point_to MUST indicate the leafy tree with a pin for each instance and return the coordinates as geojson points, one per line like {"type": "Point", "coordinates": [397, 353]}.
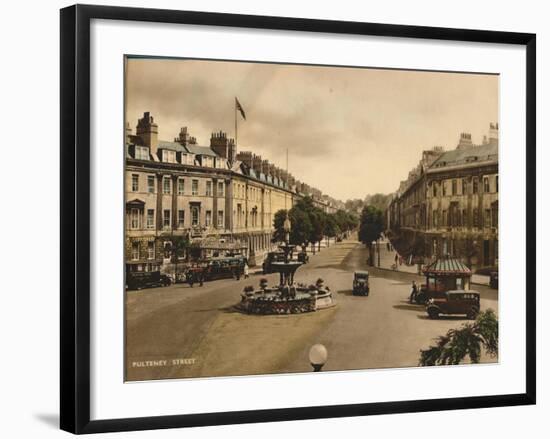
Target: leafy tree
{"type": "Point", "coordinates": [331, 226]}
{"type": "Point", "coordinates": [194, 250]}
{"type": "Point", "coordinates": [317, 218]}
{"type": "Point", "coordinates": [178, 246]}
{"type": "Point", "coordinates": [301, 230]}
{"type": "Point", "coordinates": [457, 344]}
{"type": "Point", "coordinates": [355, 205]}
{"type": "Point", "coordinates": [372, 226]}
{"type": "Point", "coordinates": [346, 221]}
{"type": "Point", "coordinates": [380, 201]}
{"type": "Point", "coordinates": [278, 225]}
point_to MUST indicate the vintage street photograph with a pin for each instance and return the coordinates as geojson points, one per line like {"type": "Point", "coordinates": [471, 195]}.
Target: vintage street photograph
{"type": "Point", "coordinates": [287, 218]}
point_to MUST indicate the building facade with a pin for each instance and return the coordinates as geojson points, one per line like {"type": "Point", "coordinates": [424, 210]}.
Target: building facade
{"type": "Point", "coordinates": [221, 200]}
{"type": "Point", "coordinates": [449, 204]}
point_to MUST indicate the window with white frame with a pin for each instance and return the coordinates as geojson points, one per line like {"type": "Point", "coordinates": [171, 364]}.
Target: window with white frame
{"type": "Point", "coordinates": [150, 218]}
{"type": "Point", "coordinates": [166, 218]}
{"type": "Point", "coordinates": [208, 188]}
{"type": "Point", "coordinates": [134, 219]}
{"type": "Point", "coordinates": [151, 250]}
{"type": "Point", "coordinates": [181, 186]}
{"type": "Point", "coordinates": [135, 182]}
{"type": "Point", "coordinates": [181, 219]}
{"type": "Point", "coordinates": [142, 153]}
{"type": "Point", "coordinates": [220, 189]}
{"type": "Point", "coordinates": [208, 218]}
{"type": "Point", "coordinates": [184, 159]}
{"type": "Point", "coordinates": [486, 187]}
{"type": "Point", "coordinates": [151, 184]}
{"type": "Point", "coordinates": [166, 185]}
{"type": "Point", "coordinates": [195, 187]}
{"type": "Point", "coordinates": [135, 250]}
{"type": "Point", "coordinates": [168, 156]}
{"type": "Point", "coordinates": [220, 218]}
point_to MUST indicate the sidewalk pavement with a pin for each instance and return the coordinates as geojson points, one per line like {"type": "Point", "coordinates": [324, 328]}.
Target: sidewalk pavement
{"type": "Point", "coordinates": [387, 259]}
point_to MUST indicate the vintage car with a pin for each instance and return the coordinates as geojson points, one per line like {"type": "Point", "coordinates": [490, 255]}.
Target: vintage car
{"type": "Point", "coordinates": [454, 302]}
{"type": "Point", "coordinates": [361, 283]}
{"type": "Point", "coordinates": [136, 280]}
{"type": "Point", "coordinates": [271, 257]}
{"type": "Point", "coordinates": [493, 279]}
{"type": "Point", "coordinates": [224, 268]}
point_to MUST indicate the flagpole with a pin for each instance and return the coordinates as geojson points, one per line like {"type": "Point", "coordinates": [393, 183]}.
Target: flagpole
{"type": "Point", "coordinates": [235, 104]}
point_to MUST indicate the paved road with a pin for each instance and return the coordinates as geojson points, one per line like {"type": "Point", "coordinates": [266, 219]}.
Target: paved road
{"type": "Point", "coordinates": [197, 329]}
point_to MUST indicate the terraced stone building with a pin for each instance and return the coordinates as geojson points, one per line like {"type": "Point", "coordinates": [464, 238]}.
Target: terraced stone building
{"type": "Point", "coordinates": [449, 204]}
{"type": "Point", "coordinates": [221, 200]}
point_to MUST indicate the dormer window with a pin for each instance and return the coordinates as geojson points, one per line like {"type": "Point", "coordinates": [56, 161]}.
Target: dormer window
{"type": "Point", "coordinates": [168, 156]}
{"type": "Point", "coordinates": [142, 153]}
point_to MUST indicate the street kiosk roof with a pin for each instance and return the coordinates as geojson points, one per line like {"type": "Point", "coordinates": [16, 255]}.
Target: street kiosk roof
{"type": "Point", "coordinates": [447, 266]}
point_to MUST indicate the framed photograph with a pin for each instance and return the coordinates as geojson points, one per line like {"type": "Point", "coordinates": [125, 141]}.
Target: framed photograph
{"type": "Point", "coordinates": [267, 219]}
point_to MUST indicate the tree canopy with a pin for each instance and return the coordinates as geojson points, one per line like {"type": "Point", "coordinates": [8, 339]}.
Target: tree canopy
{"type": "Point", "coordinates": [372, 225]}
{"type": "Point", "coordinates": [310, 223]}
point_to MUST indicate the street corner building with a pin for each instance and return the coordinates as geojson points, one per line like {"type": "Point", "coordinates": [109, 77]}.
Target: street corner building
{"type": "Point", "coordinates": [448, 205]}
{"type": "Point", "coordinates": [221, 200]}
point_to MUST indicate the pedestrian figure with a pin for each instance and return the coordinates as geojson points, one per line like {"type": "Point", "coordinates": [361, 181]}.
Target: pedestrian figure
{"type": "Point", "coordinates": [191, 278]}
{"type": "Point", "coordinates": [414, 293]}
{"type": "Point", "coordinates": [201, 278]}
{"type": "Point", "coordinates": [245, 270]}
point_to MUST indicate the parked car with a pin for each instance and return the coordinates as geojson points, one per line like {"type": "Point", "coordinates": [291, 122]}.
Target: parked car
{"type": "Point", "coordinates": [269, 259]}
{"type": "Point", "coordinates": [223, 268]}
{"type": "Point", "coordinates": [361, 283]}
{"type": "Point", "coordinates": [454, 302]}
{"type": "Point", "coordinates": [493, 279]}
{"type": "Point", "coordinates": [136, 280]}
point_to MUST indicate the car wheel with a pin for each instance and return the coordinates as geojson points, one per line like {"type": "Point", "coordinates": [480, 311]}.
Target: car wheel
{"type": "Point", "coordinates": [433, 313]}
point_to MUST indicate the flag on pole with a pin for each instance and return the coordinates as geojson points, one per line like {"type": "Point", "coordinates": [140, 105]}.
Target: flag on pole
{"type": "Point", "coordinates": [240, 108]}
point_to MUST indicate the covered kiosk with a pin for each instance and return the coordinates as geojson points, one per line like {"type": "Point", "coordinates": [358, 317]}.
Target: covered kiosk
{"type": "Point", "coordinates": [442, 275]}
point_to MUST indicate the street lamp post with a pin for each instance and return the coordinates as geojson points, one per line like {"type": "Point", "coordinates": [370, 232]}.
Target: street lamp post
{"type": "Point", "coordinates": [318, 356]}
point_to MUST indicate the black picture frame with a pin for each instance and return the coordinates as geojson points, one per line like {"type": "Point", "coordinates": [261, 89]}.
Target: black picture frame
{"type": "Point", "coordinates": [75, 217]}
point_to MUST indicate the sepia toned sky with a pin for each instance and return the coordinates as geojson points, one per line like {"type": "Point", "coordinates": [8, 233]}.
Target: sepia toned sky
{"type": "Point", "coordinates": [349, 131]}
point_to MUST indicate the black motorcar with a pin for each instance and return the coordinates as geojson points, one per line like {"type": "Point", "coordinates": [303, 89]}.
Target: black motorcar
{"type": "Point", "coordinates": [269, 259]}
{"type": "Point", "coordinates": [454, 302]}
{"type": "Point", "coordinates": [136, 280]}
{"type": "Point", "coordinates": [361, 283]}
